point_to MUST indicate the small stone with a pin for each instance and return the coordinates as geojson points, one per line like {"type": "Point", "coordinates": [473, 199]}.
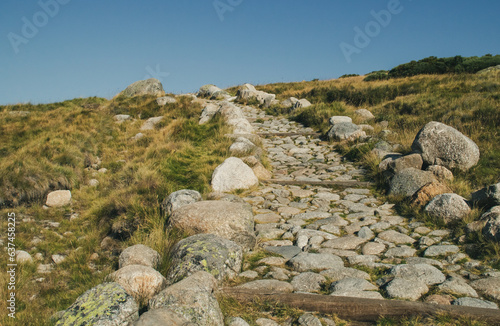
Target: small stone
{"type": "Point", "coordinates": [400, 288]}
{"type": "Point", "coordinates": [308, 282]}
{"type": "Point", "coordinates": [440, 250]}
{"type": "Point", "coordinates": [473, 302]}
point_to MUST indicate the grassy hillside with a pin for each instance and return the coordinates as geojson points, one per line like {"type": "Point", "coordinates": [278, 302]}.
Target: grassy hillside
{"type": "Point", "coordinates": [54, 147]}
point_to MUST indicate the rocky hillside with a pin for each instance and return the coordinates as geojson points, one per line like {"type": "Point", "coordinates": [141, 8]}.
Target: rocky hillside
{"type": "Point", "coordinates": [193, 207]}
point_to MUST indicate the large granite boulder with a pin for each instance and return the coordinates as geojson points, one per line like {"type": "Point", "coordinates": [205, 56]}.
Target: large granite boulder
{"type": "Point", "coordinates": [232, 221]}
{"type": "Point", "coordinates": [208, 112]}
{"type": "Point", "coordinates": [150, 86]}
{"type": "Point", "coordinates": [107, 304]}
{"type": "Point", "coordinates": [233, 174]}
{"type": "Point", "coordinates": [491, 229]}
{"type": "Point", "coordinates": [192, 298]}
{"type": "Point", "coordinates": [248, 92]}
{"type": "Point", "coordinates": [178, 199]}
{"type": "Point", "coordinates": [205, 252]}
{"type": "Point", "coordinates": [443, 145]}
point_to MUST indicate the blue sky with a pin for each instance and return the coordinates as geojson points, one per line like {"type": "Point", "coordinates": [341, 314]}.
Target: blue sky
{"type": "Point", "coordinates": [82, 48]}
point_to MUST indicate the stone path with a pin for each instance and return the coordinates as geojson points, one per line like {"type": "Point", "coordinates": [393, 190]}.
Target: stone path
{"type": "Point", "coordinates": [345, 242]}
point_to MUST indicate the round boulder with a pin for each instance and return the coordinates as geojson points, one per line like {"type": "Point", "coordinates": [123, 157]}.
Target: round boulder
{"type": "Point", "coordinates": [141, 282]}
{"type": "Point", "coordinates": [150, 86]}
{"type": "Point", "coordinates": [491, 229]}
{"type": "Point", "coordinates": [139, 255]}
{"type": "Point", "coordinates": [443, 145]}
{"type": "Point", "coordinates": [178, 199]}
{"type": "Point", "coordinates": [449, 207]}
{"type": "Point", "coordinates": [345, 131]}
{"type": "Point", "coordinates": [232, 221]}
{"type": "Point", "coordinates": [233, 174]}
{"type": "Point", "coordinates": [205, 252]}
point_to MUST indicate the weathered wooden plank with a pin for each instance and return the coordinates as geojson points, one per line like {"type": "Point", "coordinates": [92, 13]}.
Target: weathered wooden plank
{"type": "Point", "coordinates": [362, 310]}
{"type": "Point", "coordinates": [345, 184]}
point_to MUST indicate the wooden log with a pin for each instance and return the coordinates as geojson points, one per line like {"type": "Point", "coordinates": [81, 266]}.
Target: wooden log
{"type": "Point", "coordinates": [362, 310]}
{"type": "Point", "coordinates": [345, 184]}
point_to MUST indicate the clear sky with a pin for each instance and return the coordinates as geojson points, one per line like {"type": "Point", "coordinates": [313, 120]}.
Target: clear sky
{"type": "Point", "coordinates": [53, 50]}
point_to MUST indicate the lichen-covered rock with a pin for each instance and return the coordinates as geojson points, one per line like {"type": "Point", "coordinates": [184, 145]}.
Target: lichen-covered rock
{"type": "Point", "coordinates": [150, 86]}
{"type": "Point", "coordinates": [441, 173]}
{"type": "Point", "coordinates": [193, 298]}
{"type": "Point", "coordinates": [58, 198]}
{"type": "Point", "coordinates": [491, 229]}
{"type": "Point", "coordinates": [400, 288]}
{"type": "Point", "coordinates": [141, 282]}
{"type": "Point", "coordinates": [241, 147]}
{"type": "Point", "coordinates": [233, 221]}
{"type": "Point", "coordinates": [139, 254]}
{"type": "Point", "coordinates": [233, 174]}
{"type": "Point", "coordinates": [404, 162]}
{"type": "Point", "coordinates": [409, 181]}
{"type": "Point", "coordinates": [443, 145]}
{"type": "Point", "coordinates": [449, 207]}
{"type": "Point", "coordinates": [345, 131]}
{"type": "Point", "coordinates": [107, 304]}
{"type": "Point", "coordinates": [418, 272]}
{"type": "Point", "coordinates": [487, 197]}
{"type": "Point", "coordinates": [205, 252]}
{"type": "Point", "coordinates": [178, 199]}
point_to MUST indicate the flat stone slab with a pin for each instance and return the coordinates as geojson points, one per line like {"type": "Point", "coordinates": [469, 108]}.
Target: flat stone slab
{"type": "Point", "coordinates": [427, 274]}
{"type": "Point", "coordinates": [473, 302]}
{"type": "Point", "coordinates": [395, 237]}
{"type": "Point", "coordinates": [268, 285]}
{"type": "Point", "coordinates": [400, 288]}
{"type": "Point", "coordinates": [440, 250]}
{"type": "Point", "coordinates": [344, 243]}
{"type": "Point", "coordinates": [304, 262]}
{"type": "Point", "coordinates": [308, 282]}
{"type": "Point", "coordinates": [286, 252]}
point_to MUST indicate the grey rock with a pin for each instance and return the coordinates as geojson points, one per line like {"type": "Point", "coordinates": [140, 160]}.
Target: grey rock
{"type": "Point", "coordinates": [405, 162]}
{"type": "Point", "coordinates": [139, 255]}
{"type": "Point", "coordinates": [266, 322]}
{"type": "Point", "coordinates": [151, 123]}
{"type": "Point", "coordinates": [364, 114]}
{"type": "Point", "coordinates": [150, 86]}
{"type": "Point", "coordinates": [232, 221]}
{"type": "Point", "coordinates": [489, 286]}
{"type": "Point", "coordinates": [449, 207]}
{"type": "Point", "coordinates": [205, 252]}
{"type": "Point", "coordinates": [418, 272]}
{"type": "Point", "coordinates": [473, 302]}
{"type": "Point", "coordinates": [107, 304]}
{"type": "Point", "coordinates": [119, 118]}
{"type": "Point", "coordinates": [351, 284]}
{"type": "Point", "coordinates": [193, 298]}
{"type": "Point", "coordinates": [208, 112]}
{"type": "Point", "coordinates": [212, 92]}
{"type": "Point", "coordinates": [308, 282]}
{"type": "Point", "coordinates": [488, 196]}
{"type": "Point", "coordinates": [236, 321]}
{"type": "Point", "coordinates": [338, 119]}
{"type": "Point", "coordinates": [400, 288]}
{"type": "Point", "coordinates": [23, 257]}
{"type": "Point", "coordinates": [458, 286]}
{"type": "Point", "coordinates": [161, 101]}
{"type": "Point", "coordinates": [400, 252]}
{"type": "Point", "coordinates": [395, 237]}
{"type": "Point", "coordinates": [409, 181]}
{"type": "Point", "coordinates": [440, 250]}
{"type": "Point", "coordinates": [337, 274]}
{"type": "Point", "coordinates": [491, 229]}
{"type": "Point", "coordinates": [289, 102]}
{"type": "Point", "coordinates": [441, 173]}
{"type": "Point", "coordinates": [302, 103]}
{"type": "Point", "coordinates": [304, 262]}
{"type": "Point", "coordinates": [286, 252]}
{"type": "Point", "coordinates": [443, 145]}
{"type": "Point", "coordinates": [308, 319]}
{"type": "Point", "coordinates": [344, 243]}
{"type": "Point", "coordinates": [178, 199]}
{"type": "Point", "coordinates": [345, 131]}
{"type": "Point", "coordinates": [162, 317]}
